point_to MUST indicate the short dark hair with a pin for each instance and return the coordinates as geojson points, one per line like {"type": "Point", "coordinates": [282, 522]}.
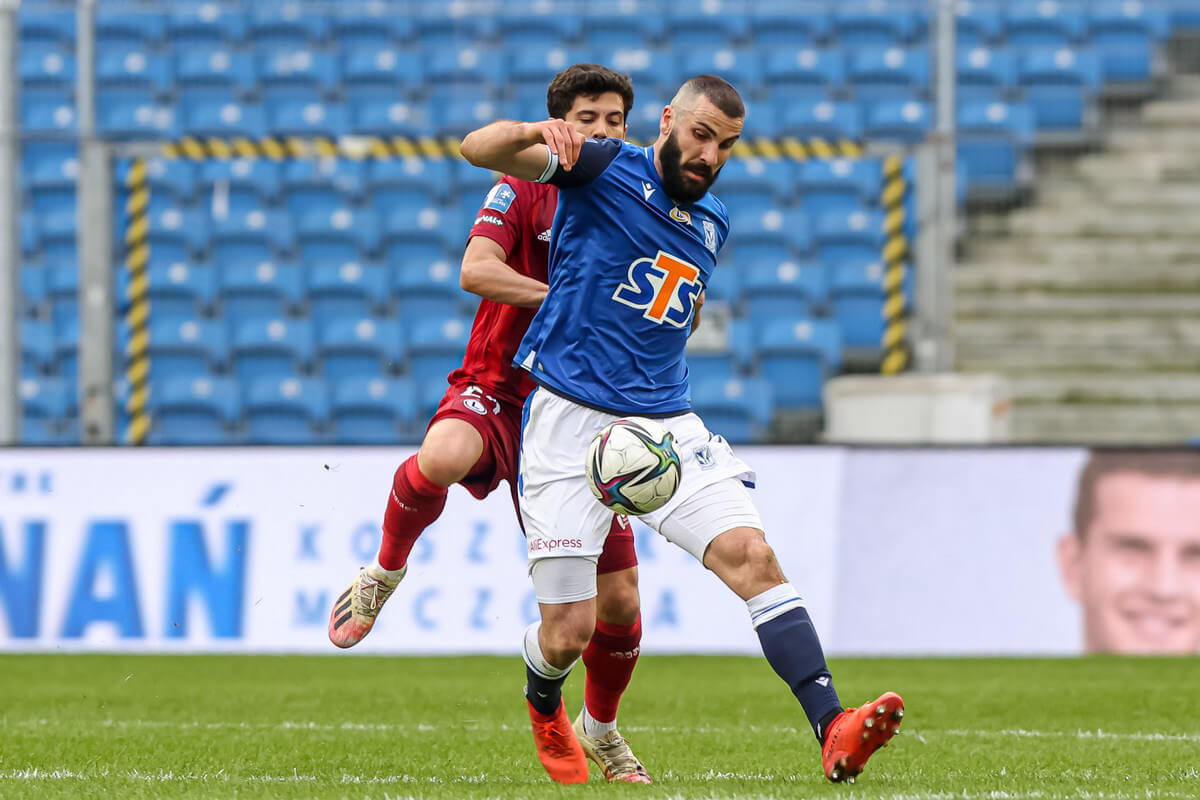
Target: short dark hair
{"type": "Point", "coordinates": [720, 93]}
{"type": "Point", "coordinates": [586, 80]}
{"type": "Point", "coordinates": [1104, 462]}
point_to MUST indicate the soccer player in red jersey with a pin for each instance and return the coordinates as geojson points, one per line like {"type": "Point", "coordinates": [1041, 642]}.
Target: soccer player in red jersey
{"type": "Point", "coordinates": [474, 439]}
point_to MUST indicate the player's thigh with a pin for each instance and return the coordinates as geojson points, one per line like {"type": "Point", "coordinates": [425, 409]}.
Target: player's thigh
{"type": "Point", "coordinates": [450, 450]}
{"type": "Point", "coordinates": [562, 519]}
{"type": "Point", "coordinates": [698, 519]}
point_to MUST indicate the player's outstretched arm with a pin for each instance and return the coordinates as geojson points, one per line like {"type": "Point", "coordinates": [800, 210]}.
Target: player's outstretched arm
{"type": "Point", "coordinates": [485, 272]}
{"type": "Point", "coordinates": [520, 148]}
{"type": "Point", "coordinates": [696, 312]}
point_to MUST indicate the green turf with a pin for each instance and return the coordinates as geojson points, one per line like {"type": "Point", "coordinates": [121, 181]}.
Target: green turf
{"type": "Point", "coordinates": [341, 726]}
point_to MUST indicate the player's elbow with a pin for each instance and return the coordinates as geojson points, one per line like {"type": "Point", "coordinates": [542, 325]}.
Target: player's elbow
{"type": "Point", "coordinates": [470, 275]}
{"type": "Point", "coordinates": [470, 149]}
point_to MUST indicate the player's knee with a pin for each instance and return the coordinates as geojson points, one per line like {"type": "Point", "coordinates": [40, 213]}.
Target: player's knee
{"type": "Point", "coordinates": [618, 601]}
{"type": "Point", "coordinates": [742, 557]}
{"type": "Point", "coordinates": [449, 452]}
{"type": "Point", "coordinates": [564, 641]}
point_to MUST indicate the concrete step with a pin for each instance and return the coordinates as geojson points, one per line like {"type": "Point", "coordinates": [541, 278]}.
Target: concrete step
{"type": "Point", "coordinates": [1123, 141]}
{"type": "Point", "coordinates": [1107, 423]}
{"type": "Point", "coordinates": [1098, 222]}
{"type": "Point", "coordinates": [1087, 387]}
{"type": "Point", "coordinates": [1172, 198]}
{"type": "Point", "coordinates": [990, 276]}
{"type": "Point", "coordinates": [1030, 357]}
{"type": "Point", "coordinates": [1169, 166]}
{"type": "Point", "coordinates": [1102, 332]}
{"type": "Point", "coordinates": [1093, 252]}
{"type": "Point", "coordinates": [1037, 305]}
{"type": "Point", "coordinates": [1174, 113]}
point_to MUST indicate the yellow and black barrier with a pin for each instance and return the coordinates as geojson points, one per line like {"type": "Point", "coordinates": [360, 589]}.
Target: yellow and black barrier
{"type": "Point", "coordinates": [137, 316]}
{"type": "Point", "coordinates": [895, 257]}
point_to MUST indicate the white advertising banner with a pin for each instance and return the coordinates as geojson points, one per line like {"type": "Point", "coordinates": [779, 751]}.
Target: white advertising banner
{"type": "Point", "coordinates": [897, 551]}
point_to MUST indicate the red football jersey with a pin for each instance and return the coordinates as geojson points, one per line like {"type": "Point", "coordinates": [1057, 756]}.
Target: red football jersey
{"type": "Point", "coordinates": [518, 216]}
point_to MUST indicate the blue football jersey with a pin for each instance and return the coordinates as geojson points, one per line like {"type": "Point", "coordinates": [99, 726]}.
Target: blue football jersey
{"type": "Point", "coordinates": [626, 265]}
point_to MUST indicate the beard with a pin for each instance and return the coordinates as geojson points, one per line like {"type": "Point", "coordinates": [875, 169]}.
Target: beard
{"type": "Point", "coordinates": [681, 186]}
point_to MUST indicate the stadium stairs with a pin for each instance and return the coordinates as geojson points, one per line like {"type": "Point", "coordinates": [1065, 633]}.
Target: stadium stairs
{"type": "Point", "coordinates": [1088, 302]}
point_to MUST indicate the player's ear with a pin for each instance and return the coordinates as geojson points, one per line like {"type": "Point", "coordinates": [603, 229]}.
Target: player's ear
{"type": "Point", "coordinates": [1070, 556]}
{"type": "Point", "coordinates": [666, 121]}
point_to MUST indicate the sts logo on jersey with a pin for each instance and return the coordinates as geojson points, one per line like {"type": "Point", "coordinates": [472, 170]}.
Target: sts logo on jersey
{"type": "Point", "coordinates": [663, 287]}
{"type": "Point", "coordinates": [500, 197]}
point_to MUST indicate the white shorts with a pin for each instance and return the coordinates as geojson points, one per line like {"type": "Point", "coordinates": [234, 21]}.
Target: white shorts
{"type": "Point", "coordinates": [563, 518]}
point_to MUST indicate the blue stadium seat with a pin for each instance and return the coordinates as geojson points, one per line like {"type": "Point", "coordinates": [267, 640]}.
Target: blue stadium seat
{"type": "Point", "coordinates": [787, 227]}
{"type": "Point", "coordinates": [179, 226]}
{"type": "Point", "coordinates": [907, 121]}
{"type": "Point", "coordinates": [849, 236]}
{"type": "Point", "coordinates": [980, 22]}
{"type": "Point", "coordinates": [49, 165]}
{"type": "Point", "coordinates": [821, 119]}
{"type": "Point", "coordinates": [37, 347]}
{"type": "Point", "coordinates": [182, 347]}
{"type": "Point", "coordinates": [737, 409]}
{"type": "Point", "coordinates": [193, 411]}
{"type": "Point", "coordinates": [707, 26]}
{"type": "Point", "coordinates": [373, 410]}
{"type": "Point", "coordinates": [134, 115]}
{"type": "Point", "coordinates": [787, 26]}
{"type": "Point", "coordinates": [709, 366]}
{"type": "Point", "coordinates": [62, 291]}
{"type": "Point", "coordinates": [431, 176]}
{"type": "Point", "coordinates": [781, 289]}
{"type": "Point", "coordinates": [305, 118]}
{"type": "Point", "coordinates": [428, 226]}
{"type": "Point", "coordinates": [725, 284]}
{"type": "Point", "coordinates": [381, 64]}
{"type": "Point", "coordinates": [346, 289]}
{"type": "Point", "coordinates": [740, 66]}
{"type": "Point", "coordinates": [285, 410]}
{"type": "Point", "coordinates": [534, 25]}
{"type": "Point", "coordinates": [58, 225]}
{"type": "Point", "coordinates": [362, 24]}
{"type": "Point", "coordinates": [178, 289]}
{"type": "Point", "coordinates": [857, 294]}
{"type": "Point", "coordinates": [620, 24]}
{"type": "Point", "coordinates": [252, 288]}
{"type": "Point", "coordinates": [32, 289]}
{"type": "Point", "coordinates": [362, 347]}
{"type": "Point", "coordinates": [224, 119]}
{"type": "Point", "coordinates": [217, 66]}
{"type": "Point", "coordinates": [1124, 34]}
{"type": "Point", "coordinates": [534, 64]}
{"type": "Point", "coordinates": [66, 346]}
{"type": "Point", "coordinates": [347, 177]}
{"type": "Point", "coordinates": [47, 398]}
{"type": "Point", "coordinates": [466, 65]}
{"type": "Point", "coordinates": [376, 111]}
{"type": "Point", "coordinates": [257, 175]}
{"type": "Point", "coordinates": [288, 24]}
{"type": "Point", "coordinates": [796, 357]}
{"type": "Point", "coordinates": [461, 115]}
{"type": "Point", "coordinates": [774, 177]}
{"type": "Point", "coordinates": [889, 74]}
{"type": "Point", "coordinates": [47, 112]}
{"type": "Point", "coordinates": [1045, 23]}
{"type": "Point", "coordinates": [806, 71]}
{"type": "Point", "coordinates": [1058, 86]}
{"type": "Point", "coordinates": [265, 347]}
{"type": "Point", "coordinates": [289, 66]}
{"type": "Point", "coordinates": [436, 346]}
{"type": "Point", "coordinates": [46, 67]}
{"type": "Point", "coordinates": [447, 28]}
{"type": "Point", "coordinates": [257, 228]}
{"type": "Point", "coordinates": [647, 112]}
{"type": "Point", "coordinates": [340, 235]}
{"type": "Point", "coordinates": [650, 68]}
{"type": "Point", "coordinates": [46, 24]}
{"type": "Point", "coordinates": [871, 23]}
{"type": "Point", "coordinates": [29, 232]}
{"type": "Point", "coordinates": [838, 185]}
{"type": "Point", "coordinates": [426, 283]}
{"type": "Point", "coordinates": [206, 22]}
{"type": "Point", "coordinates": [120, 28]}
{"type": "Point", "coordinates": [992, 141]}
{"type": "Point", "coordinates": [132, 66]}
{"type": "Point", "coordinates": [985, 74]}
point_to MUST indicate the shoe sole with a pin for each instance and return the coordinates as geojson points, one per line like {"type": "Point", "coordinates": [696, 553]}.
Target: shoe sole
{"type": "Point", "coordinates": [881, 725]}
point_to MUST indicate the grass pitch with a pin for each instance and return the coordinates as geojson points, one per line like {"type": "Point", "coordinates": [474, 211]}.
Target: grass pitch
{"type": "Point", "coordinates": [353, 727]}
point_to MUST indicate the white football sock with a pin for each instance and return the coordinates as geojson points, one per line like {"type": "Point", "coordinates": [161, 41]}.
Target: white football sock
{"type": "Point", "coordinates": [392, 575]}
{"type": "Point", "coordinates": [594, 727]}
{"type": "Point", "coordinates": [532, 653]}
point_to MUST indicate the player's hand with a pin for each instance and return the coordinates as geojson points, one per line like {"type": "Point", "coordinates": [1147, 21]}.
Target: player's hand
{"type": "Point", "coordinates": [562, 139]}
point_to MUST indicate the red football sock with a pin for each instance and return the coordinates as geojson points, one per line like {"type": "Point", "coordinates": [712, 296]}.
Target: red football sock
{"type": "Point", "coordinates": [414, 503]}
{"type": "Point", "coordinates": [610, 658]}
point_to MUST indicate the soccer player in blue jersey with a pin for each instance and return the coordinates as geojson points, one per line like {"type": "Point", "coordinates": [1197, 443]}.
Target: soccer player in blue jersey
{"type": "Point", "coordinates": [635, 241]}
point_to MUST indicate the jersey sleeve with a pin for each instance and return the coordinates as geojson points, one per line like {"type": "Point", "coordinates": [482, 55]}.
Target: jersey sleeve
{"type": "Point", "coordinates": [594, 157]}
{"type": "Point", "coordinates": [499, 218]}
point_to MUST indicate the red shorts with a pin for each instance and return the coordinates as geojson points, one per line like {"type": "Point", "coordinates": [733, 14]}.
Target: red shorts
{"type": "Point", "coordinates": [499, 424]}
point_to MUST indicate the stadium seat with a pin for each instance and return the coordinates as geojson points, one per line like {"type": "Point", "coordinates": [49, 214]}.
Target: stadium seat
{"type": "Point", "coordinates": [43, 24]}
{"type": "Point", "coordinates": [534, 65]}
{"type": "Point", "coordinates": [62, 291]}
{"type": "Point", "coordinates": [303, 118]}
{"type": "Point", "coordinates": [66, 346]}
{"type": "Point", "coordinates": [133, 115]}
{"type": "Point", "coordinates": [992, 141]}
{"type": "Point", "coordinates": [783, 288]}
{"type": "Point", "coordinates": [218, 66]}
{"type": "Point", "coordinates": [46, 67]}
{"type": "Point", "coordinates": [289, 24]}
{"type": "Point", "coordinates": [740, 66]}
{"type": "Point", "coordinates": [362, 347]}
{"type": "Point", "coordinates": [367, 23]}
{"type": "Point", "coordinates": [193, 411]}
{"type": "Point", "coordinates": [432, 226]}
{"type": "Point", "coordinates": [985, 74]}
{"type": "Point", "coordinates": [224, 119]}
{"type": "Point", "coordinates": [426, 283]}
{"type": "Point", "coordinates": [646, 115]}
{"type": "Point", "coordinates": [117, 29]}
{"type": "Point", "coordinates": [870, 23]}
{"type": "Point", "coordinates": [797, 356]}
{"type": "Point", "coordinates": [432, 176]}
{"type": "Point", "coordinates": [206, 23]}
{"type": "Point", "coordinates": [48, 406]}
{"type": "Point", "coordinates": [381, 64]}
{"type": "Point", "coordinates": [47, 112]}
{"type": "Point", "coordinates": [465, 65]}
{"type": "Point", "coordinates": [888, 74]}
{"type": "Point", "coordinates": [435, 347]}
{"type": "Point", "coordinates": [1058, 86]}
{"type": "Point", "coordinates": [376, 111]}
{"type": "Point", "coordinates": [460, 115]}
{"type": "Point", "coordinates": [821, 119]}
{"type": "Point", "coordinates": [172, 178]}
{"type": "Point", "coordinates": [337, 236]}
{"type": "Point", "coordinates": [774, 177]}
{"type": "Point", "coordinates": [179, 290]}
{"type": "Point", "coordinates": [707, 26]}
{"type": "Point", "coordinates": [345, 176]}
{"type": "Point", "coordinates": [264, 347]}
{"type": "Point", "coordinates": [738, 409]}
{"type": "Point", "coordinates": [808, 71]}
{"type": "Point", "coordinates": [346, 289]}
{"type": "Point", "coordinates": [446, 27]}
{"type": "Point", "coordinates": [49, 165]}
{"type": "Point", "coordinates": [255, 228]}
{"type": "Point", "coordinates": [620, 24]}
{"type": "Point", "coordinates": [1045, 23]}
{"type": "Point", "coordinates": [857, 295]}
{"type": "Point", "coordinates": [907, 121]}
{"type": "Point", "coordinates": [254, 286]}
{"type": "Point", "coordinates": [849, 236]}
{"type": "Point", "coordinates": [32, 290]}
{"type": "Point", "coordinates": [650, 68]}
{"type": "Point", "coordinates": [1124, 35]}
{"type": "Point", "coordinates": [132, 67]}
{"type": "Point", "coordinates": [838, 185]}
{"type": "Point", "coordinates": [536, 25]}
{"type": "Point", "coordinates": [37, 347]}
{"type": "Point", "coordinates": [786, 227]}
{"type": "Point", "coordinates": [285, 410]}
{"type": "Point", "coordinates": [179, 226]}
{"type": "Point", "coordinates": [257, 175]}
{"type": "Point", "coordinates": [979, 22]}
{"type": "Point", "coordinates": [289, 66]}
{"type": "Point", "coordinates": [373, 410]}
{"type": "Point", "coordinates": [725, 284]}
{"type": "Point", "coordinates": [182, 347]}
{"type": "Point", "coordinates": [784, 26]}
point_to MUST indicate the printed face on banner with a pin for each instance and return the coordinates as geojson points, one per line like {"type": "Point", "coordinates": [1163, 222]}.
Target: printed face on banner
{"type": "Point", "coordinates": [1135, 570]}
